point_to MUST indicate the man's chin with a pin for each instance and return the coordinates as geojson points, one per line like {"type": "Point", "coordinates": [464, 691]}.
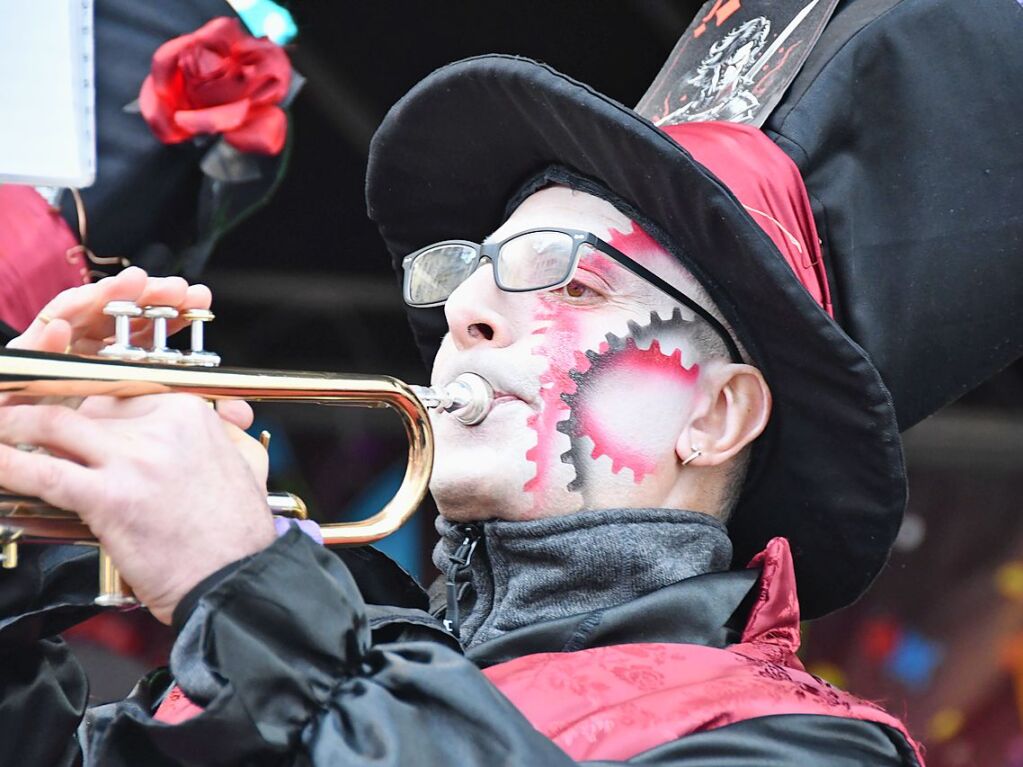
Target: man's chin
{"type": "Point", "coordinates": [461, 515]}
{"type": "Point", "coordinates": [473, 499]}
{"type": "Point", "coordinates": [480, 473]}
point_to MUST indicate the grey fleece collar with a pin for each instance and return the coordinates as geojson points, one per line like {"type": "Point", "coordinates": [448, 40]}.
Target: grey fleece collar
{"type": "Point", "coordinates": [522, 573]}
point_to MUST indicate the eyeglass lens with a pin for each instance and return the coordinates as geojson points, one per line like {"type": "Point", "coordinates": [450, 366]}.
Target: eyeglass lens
{"type": "Point", "coordinates": [535, 260]}
{"type": "Point", "coordinates": [436, 272]}
{"type": "Point", "coordinates": [530, 261]}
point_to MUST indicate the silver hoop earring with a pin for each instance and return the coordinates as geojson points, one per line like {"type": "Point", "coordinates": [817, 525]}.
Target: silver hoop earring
{"type": "Point", "coordinates": [696, 453]}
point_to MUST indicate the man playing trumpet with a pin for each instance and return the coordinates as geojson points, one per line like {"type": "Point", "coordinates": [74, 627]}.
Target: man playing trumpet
{"type": "Point", "coordinates": [685, 454]}
{"type": "Point", "coordinates": [585, 515]}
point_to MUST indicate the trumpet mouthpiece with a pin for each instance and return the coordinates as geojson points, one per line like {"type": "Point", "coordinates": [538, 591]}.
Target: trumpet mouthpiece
{"type": "Point", "coordinates": [468, 398]}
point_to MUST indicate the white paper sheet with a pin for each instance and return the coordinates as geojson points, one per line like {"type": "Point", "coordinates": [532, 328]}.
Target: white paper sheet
{"type": "Point", "coordinates": [47, 94]}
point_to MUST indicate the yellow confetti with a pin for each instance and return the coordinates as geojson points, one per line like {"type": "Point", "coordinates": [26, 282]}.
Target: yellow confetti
{"type": "Point", "coordinates": [829, 672]}
{"type": "Point", "coordinates": [945, 725]}
{"type": "Point", "coordinates": [1009, 580]}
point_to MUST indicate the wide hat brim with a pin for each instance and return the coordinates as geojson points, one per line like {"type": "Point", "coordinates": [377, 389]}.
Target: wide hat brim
{"type": "Point", "coordinates": [828, 473]}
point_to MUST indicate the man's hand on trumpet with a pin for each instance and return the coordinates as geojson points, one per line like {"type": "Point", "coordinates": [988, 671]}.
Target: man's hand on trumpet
{"type": "Point", "coordinates": [156, 478]}
{"type": "Point", "coordinates": [121, 463]}
{"type": "Point", "coordinates": [74, 322]}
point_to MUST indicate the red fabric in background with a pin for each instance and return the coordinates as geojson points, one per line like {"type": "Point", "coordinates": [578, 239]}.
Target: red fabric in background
{"type": "Point", "coordinates": [34, 261]}
{"type": "Point", "coordinates": [768, 184]}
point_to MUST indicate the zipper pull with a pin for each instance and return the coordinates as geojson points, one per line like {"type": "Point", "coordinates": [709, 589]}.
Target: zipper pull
{"type": "Point", "coordinates": [460, 559]}
{"type": "Point", "coordinates": [463, 554]}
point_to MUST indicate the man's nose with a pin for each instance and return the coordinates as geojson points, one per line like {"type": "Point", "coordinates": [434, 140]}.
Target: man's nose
{"type": "Point", "coordinates": [476, 311]}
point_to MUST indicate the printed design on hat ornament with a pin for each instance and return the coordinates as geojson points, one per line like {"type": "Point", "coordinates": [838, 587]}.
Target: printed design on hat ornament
{"type": "Point", "coordinates": [619, 361]}
{"type": "Point", "coordinates": [725, 76]}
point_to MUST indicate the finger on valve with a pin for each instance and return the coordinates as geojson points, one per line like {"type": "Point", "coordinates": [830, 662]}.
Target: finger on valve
{"type": "Point", "coordinates": [195, 297]}
{"type": "Point", "coordinates": [73, 321]}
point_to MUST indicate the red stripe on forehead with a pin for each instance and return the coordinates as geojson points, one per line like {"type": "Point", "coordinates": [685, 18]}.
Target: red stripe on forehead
{"type": "Point", "coordinates": [647, 251]}
{"type": "Point", "coordinates": [636, 244]}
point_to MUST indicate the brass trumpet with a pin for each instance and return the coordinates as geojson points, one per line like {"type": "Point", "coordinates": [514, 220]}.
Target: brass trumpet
{"type": "Point", "coordinates": [35, 374]}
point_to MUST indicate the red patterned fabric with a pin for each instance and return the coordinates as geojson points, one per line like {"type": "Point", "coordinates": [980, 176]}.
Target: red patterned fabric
{"type": "Point", "coordinates": [176, 707]}
{"type": "Point", "coordinates": [616, 702]}
{"type": "Point", "coordinates": [36, 257]}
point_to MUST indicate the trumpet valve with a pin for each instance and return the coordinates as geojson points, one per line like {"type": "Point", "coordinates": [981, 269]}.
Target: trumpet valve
{"type": "Point", "coordinates": [160, 351]}
{"type": "Point", "coordinates": [122, 348]}
{"type": "Point", "coordinates": [198, 354]}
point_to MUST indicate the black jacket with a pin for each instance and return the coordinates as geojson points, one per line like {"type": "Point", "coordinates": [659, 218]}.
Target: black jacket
{"type": "Point", "coordinates": [304, 671]}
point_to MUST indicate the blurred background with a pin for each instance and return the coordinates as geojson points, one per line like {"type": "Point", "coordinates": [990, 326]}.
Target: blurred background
{"type": "Point", "coordinates": [305, 283]}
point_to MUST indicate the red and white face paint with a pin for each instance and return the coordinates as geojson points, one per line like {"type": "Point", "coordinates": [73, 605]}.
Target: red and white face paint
{"type": "Point", "coordinates": [595, 381]}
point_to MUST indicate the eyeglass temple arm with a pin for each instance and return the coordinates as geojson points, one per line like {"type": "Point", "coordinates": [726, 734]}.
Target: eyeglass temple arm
{"type": "Point", "coordinates": [641, 271]}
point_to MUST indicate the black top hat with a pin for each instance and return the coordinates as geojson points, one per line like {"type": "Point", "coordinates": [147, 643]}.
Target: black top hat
{"type": "Point", "coordinates": [828, 473]}
{"type": "Point", "coordinates": [904, 124]}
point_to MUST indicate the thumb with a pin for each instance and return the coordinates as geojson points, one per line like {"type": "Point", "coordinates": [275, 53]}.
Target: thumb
{"type": "Point", "coordinates": [252, 451]}
{"type": "Point", "coordinates": [42, 336]}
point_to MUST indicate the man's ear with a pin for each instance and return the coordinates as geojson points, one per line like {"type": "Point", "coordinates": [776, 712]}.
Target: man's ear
{"type": "Point", "coordinates": [731, 412]}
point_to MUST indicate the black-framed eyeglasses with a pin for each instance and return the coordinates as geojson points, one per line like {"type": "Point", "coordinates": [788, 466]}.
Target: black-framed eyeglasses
{"type": "Point", "coordinates": [536, 259]}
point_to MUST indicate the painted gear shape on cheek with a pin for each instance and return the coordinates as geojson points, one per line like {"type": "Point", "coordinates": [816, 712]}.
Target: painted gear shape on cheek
{"type": "Point", "coordinates": [619, 360]}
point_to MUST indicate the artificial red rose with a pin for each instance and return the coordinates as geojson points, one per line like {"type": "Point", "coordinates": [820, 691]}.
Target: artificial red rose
{"type": "Point", "coordinates": [219, 79]}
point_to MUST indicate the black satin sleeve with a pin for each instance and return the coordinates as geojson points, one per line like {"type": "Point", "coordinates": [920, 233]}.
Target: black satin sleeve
{"type": "Point", "coordinates": [786, 741]}
{"type": "Point", "coordinates": [287, 663]}
{"type": "Point", "coordinates": [43, 689]}
{"type": "Point", "coordinates": [293, 667]}
{"type": "Point", "coordinates": [43, 694]}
